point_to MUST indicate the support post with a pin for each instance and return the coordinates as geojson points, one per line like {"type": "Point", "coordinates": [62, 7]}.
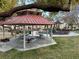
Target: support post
{"type": "Point", "coordinates": [24, 43]}
{"type": "Point", "coordinates": [51, 31]}
{"type": "Point", "coordinates": [15, 30]}
{"type": "Point", "coordinates": [3, 32]}
{"type": "Point", "coordinates": [32, 30]}
{"type": "Point", "coordinates": [47, 31]}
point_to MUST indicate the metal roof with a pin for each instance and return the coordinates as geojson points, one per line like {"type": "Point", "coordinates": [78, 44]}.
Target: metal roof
{"type": "Point", "coordinates": [27, 20]}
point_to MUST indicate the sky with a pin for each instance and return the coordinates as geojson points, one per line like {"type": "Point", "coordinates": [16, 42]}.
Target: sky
{"type": "Point", "coordinates": [19, 2]}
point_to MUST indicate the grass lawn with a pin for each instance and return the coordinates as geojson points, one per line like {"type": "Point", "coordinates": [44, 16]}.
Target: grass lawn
{"type": "Point", "coordinates": [67, 48]}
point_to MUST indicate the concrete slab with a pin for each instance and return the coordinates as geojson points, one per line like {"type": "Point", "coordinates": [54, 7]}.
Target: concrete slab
{"type": "Point", "coordinates": [5, 47]}
{"type": "Point", "coordinates": [36, 44]}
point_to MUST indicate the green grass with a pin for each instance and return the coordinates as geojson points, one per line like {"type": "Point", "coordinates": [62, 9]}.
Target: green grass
{"type": "Point", "coordinates": [67, 48]}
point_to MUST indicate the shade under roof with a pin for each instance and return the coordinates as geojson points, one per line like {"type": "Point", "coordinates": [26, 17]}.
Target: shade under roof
{"type": "Point", "coordinates": [27, 20]}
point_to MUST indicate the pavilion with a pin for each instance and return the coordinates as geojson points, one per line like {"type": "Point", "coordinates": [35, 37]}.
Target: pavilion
{"type": "Point", "coordinates": [28, 20]}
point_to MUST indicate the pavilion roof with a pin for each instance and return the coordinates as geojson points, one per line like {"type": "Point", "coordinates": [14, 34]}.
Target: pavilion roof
{"type": "Point", "coordinates": [27, 20]}
{"type": "Point", "coordinates": [1, 22]}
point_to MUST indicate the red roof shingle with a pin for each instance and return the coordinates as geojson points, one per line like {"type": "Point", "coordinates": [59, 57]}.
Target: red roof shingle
{"type": "Point", "coordinates": [28, 20]}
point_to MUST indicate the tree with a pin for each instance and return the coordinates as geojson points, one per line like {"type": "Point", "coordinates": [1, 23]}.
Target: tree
{"type": "Point", "coordinates": [74, 3]}
{"type": "Point", "coordinates": [46, 5]}
{"type": "Point", "coordinates": [62, 3]}
{"type": "Point", "coordinates": [6, 5]}
{"type": "Point", "coordinates": [71, 19]}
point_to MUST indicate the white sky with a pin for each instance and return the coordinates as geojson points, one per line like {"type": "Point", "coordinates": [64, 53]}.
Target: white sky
{"type": "Point", "coordinates": [29, 2]}
{"type": "Point", "coordinates": [26, 2]}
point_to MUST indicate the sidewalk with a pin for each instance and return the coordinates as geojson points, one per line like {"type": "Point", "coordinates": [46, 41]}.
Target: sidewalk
{"type": "Point", "coordinates": [67, 35]}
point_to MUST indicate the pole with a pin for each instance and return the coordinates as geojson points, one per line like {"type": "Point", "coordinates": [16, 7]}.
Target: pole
{"type": "Point", "coordinates": [51, 30]}
{"type": "Point", "coordinates": [47, 31]}
{"type": "Point", "coordinates": [24, 38]}
{"type": "Point", "coordinates": [15, 30]}
{"type": "Point", "coordinates": [3, 32]}
{"type": "Point", "coordinates": [32, 30]}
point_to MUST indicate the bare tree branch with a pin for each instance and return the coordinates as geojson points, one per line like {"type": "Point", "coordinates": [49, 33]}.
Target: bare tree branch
{"type": "Point", "coordinates": [48, 7]}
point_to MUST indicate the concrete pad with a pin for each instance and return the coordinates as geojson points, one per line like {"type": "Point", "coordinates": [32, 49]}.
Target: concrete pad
{"type": "Point", "coordinates": [5, 47]}
{"type": "Point", "coordinates": [36, 44]}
